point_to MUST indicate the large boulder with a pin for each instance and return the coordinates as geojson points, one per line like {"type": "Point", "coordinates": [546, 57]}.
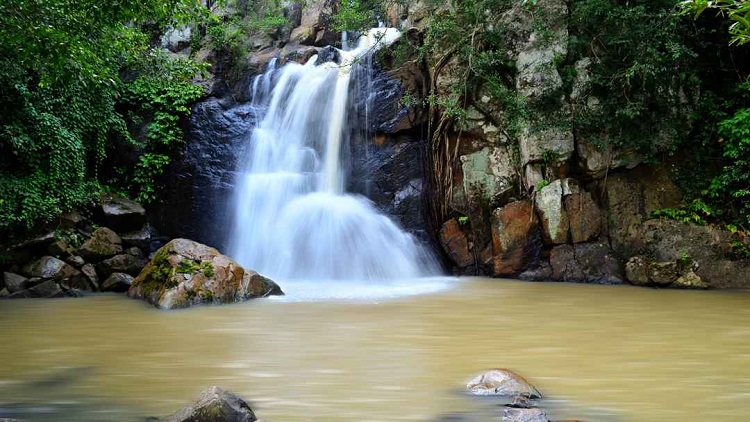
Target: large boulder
{"type": "Point", "coordinates": [514, 235]}
{"type": "Point", "coordinates": [123, 214]}
{"type": "Point", "coordinates": [456, 244]}
{"type": "Point", "coordinates": [15, 282]}
{"type": "Point", "coordinates": [708, 247]}
{"type": "Point", "coordinates": [629, 199]}
{"type": "Point", "coordinates": [585, 263]}
{"type": "Point", "coordinates": [184, 273]}
{"type": "Point", "coordinates": [102, 244]}
{"type": "Point", "coordinates": [502, 382]}
{"type": "Point", "coordinates": [215, 405]}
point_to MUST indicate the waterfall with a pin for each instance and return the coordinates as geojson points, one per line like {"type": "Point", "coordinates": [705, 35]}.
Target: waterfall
{"type": "Point", "coordinates": [293, 219]}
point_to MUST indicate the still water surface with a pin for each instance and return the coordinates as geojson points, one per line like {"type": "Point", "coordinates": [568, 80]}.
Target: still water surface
{"type": "Point", "coordinates": [599, 352]}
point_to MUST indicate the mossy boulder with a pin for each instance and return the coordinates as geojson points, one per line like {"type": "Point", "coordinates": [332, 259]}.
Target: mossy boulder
{"type": "Point", "coordinates": [102, 244]}
{"type": "Point", "coordinates": [184, 273]}
{"type": "Point", "coordinates": [215, 405]}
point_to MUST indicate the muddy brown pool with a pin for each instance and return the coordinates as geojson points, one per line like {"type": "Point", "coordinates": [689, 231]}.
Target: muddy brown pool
{"type": "Point", "coordinates": [612, 353]}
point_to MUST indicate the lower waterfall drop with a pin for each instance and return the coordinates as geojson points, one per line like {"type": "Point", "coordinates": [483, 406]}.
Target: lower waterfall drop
{"type": "Point", "coordinates": [293, 219]}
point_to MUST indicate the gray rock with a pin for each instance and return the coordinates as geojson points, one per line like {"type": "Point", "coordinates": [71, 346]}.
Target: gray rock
{"type": "Point", "coordinates": [75, 261]}
{"type": "Point", "coordinates": [215, 405]}
{"type": "Point", "coordinates": [57, 248]}
{"type": "Point", "coordinates": [706, 246]}
{"type": "Point", "coordinates": [117, 282]}
{"type": "Point", "coordinates": [122, 263]}
{"type": "Point", "coordinates": [515, 414]}
{"type": "Point", "coordinates": [552, 213]}
{"type": "Point", "coordinates": [47, 289]}
{"type": "Point", "coordinates": [15, 282]}
{"type": "Point", "coordinates": [122, 214]}
{"type": "Point", "coordinates": [89, 272]}
{"type": "Point", "coordinates": [586, 263]}
{"type": "Point", "coordinates": [4, 293]}
{"type": "Point", "coordinates": [662, 273]}
{"type": "Point", "coordinates": [139, 238]}
{"type": "Point", "coordinates": [502, 382]}
{"type": "Point", "coordinates": [136, 252]}
{"type": "Point", "coordinates": [636, 271]}
{"type": "Point", "coordinates": [50, 267]}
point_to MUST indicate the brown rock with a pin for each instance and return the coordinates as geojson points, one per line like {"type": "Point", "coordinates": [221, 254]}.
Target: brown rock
{"type": "Point", "coordinates": [584, 217]}
{"type": "Point", "coordinates": [455, 243]}
{"type": "Point", "coordinates": [215, 405]}
{"type": "Point", "coordinates": [184, 273]}
{"type": "Point", "coordinates": [502, 382]}
{"type": "Point", "coordinates": [104, 243]}
{"type": "Point", "coordinates": [89, 272]}
{"type": "Point", "coordinates": [57, 248]}
{"type": "Point", "coordinates": [514, 229]}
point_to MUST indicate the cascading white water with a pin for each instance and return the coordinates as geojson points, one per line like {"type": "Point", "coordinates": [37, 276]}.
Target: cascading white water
{"type": "Point", "coordinates": [293, 219]}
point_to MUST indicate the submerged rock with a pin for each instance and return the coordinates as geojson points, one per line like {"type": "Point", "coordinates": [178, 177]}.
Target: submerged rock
{"type": "Point", "coordinates": [215, 405]}
{"type": "Point", "coordinates": [184, 273]}
{"type": "Point", "coordinates": [532, 414]}
{"type": "Point", "coordinates": [502, 382]}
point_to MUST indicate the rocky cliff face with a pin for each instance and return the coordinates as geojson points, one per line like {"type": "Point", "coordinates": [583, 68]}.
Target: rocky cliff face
{"type": "Point", "coordinates": [543, 202]}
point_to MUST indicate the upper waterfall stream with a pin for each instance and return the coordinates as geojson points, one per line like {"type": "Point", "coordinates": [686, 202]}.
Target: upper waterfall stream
{"type": "Point", "coordinates": [293, 219]}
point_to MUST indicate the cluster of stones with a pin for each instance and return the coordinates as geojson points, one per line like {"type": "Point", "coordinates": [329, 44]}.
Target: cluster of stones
{"type": "Point", "coordinates": [105, 261]}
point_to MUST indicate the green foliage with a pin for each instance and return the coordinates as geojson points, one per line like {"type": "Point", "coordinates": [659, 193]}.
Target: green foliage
{"type": "Point", "coordinates": [463, 220]}
{"type": "Point", "coordinates": [71, 237]}
{"type": "Point", "coordinates": [541, 185]}
{"type": "Point", "coordinates": [643, 71]}
{"type": "Point", "coordinates": [737, 11]}
{"type": "Point", "coordinates": [695, 212]}
{"type": "Point", "coordinates": [739, 249]}
{"type": "Point", "coordinates": [731, 186]}
{"type": "Point", "coordinates": [189, 266]}
{"type": "Point", "coordinates": [355, 15]}
{"type": "Point", "coordinates": [59, 88]}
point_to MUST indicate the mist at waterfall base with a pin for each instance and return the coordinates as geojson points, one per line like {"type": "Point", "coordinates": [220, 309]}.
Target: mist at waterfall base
{"type": "Point", "coordinates": [293, 220]}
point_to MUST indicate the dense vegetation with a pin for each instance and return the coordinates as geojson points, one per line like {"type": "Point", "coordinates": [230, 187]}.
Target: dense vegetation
{"type": "Point", "coordinates": [62, 98]}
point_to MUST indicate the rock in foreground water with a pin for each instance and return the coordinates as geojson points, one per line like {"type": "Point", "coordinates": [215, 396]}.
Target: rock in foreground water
{"type": "Point", "coordinates": [502, 382]}
{"type": "Point", "coordinates": [184, 273]}
{"type": "Point", "coordinates": [215, 405]}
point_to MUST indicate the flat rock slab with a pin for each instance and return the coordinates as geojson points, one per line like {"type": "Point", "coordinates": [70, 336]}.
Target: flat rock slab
{"type": "Point", "coordinates": [502, 382]}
